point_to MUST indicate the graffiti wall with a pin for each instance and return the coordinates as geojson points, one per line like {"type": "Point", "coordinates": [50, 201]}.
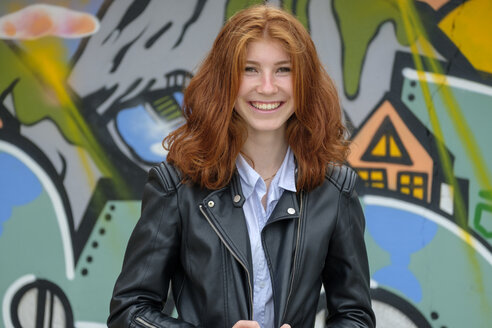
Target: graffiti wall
{"type": "Point", "coordinates": [89, 88]}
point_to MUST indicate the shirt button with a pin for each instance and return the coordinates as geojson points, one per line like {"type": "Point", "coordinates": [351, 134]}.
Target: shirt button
{"type": "Point", "coordinates": [290, 210]}
{"type": "Point", "coordinates": [262, 285]}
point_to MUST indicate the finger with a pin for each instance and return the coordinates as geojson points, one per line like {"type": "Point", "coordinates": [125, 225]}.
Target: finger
{"type": "Point", "coordinates": [246, 324]}
{"type": "Point", "coordinates": [285, 326]}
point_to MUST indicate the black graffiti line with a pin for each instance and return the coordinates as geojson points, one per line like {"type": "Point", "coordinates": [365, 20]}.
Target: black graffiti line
{"type": "Point", "coordinates": [157, 35]}
{"type": "Point", "coordinates": [196, 13]}
{"type": "Point", "coordinates": [121, 54]}
{"type": "Point", "coordinates": [131, 13]}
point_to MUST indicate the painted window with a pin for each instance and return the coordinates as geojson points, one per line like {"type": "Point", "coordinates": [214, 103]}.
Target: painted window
{"type": "Point", "coordinates": [413, 184]}
{"type": "Point", "coordinates": [373, 178]}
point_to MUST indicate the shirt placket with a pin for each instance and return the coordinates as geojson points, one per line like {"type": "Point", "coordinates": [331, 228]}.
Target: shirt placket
{"type": "Point", "coordinates": [259, 261]}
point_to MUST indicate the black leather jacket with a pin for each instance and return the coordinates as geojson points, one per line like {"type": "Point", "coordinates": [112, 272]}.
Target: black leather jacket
{"type": "Point", "coordinates": [198, 240]}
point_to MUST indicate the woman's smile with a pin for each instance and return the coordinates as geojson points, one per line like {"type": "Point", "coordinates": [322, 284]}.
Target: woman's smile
{"type": "Point", "coordinates": [266, 106]}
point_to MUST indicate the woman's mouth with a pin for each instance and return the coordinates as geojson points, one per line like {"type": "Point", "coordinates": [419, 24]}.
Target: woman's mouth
{"type": "Point", "coordinates": [265, 106]}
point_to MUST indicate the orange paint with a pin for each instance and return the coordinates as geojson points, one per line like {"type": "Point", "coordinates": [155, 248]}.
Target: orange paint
{"type": "Point", "coordinates": [9, 28]}
{"type": "Point", "coordinates": [435, 4]}
{"type": "Point", "coordinates": [82, 25]}
{"type": "Point", "coordinates": [422, 161]}
{"type": "Point", "coordinates": [41, 24]}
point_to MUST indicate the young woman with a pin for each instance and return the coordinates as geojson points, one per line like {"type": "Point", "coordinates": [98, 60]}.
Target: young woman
{"type": "Point", "coordinates": [253, 211]}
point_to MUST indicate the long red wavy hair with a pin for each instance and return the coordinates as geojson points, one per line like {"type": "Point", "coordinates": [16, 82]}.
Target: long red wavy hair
{"type": "Point", "coordinates": [206, 146]}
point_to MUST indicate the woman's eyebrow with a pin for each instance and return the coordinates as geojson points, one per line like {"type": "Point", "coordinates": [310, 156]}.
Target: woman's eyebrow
{"type": "Point", "coordinates": [282, 62]}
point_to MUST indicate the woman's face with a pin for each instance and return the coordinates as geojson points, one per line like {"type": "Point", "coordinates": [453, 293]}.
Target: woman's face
{"type": "Point", "coordinates": [265, 99]}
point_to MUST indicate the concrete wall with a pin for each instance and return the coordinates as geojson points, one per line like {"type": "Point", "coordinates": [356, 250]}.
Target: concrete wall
{"type": "Point", "coordinates": [89, 88]}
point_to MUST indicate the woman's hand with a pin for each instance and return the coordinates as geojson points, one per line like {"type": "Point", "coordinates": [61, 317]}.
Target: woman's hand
{"type": "Point", "coordinates": [252, 324]}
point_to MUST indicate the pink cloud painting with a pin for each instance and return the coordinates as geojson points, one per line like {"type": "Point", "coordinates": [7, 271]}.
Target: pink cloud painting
{"type": "Point", "coordinates": [39, 20]}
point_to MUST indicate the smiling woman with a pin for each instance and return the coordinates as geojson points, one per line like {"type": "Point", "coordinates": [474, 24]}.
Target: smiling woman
{"type": "Point", "coordinates": [253, 211]}
{"type": "Point", "coordinates": [265, 98]}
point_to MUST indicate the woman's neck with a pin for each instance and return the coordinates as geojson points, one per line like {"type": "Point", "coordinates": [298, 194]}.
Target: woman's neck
{"type": "Point", "coordinates": [267, 151]}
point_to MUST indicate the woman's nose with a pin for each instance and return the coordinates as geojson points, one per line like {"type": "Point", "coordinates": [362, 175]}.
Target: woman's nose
{"type": "Point", "coordinates": [267, 84]}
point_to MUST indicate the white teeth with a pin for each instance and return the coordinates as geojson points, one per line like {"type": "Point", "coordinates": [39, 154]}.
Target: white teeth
{"type": "Point", "coordinates": [266, 106]}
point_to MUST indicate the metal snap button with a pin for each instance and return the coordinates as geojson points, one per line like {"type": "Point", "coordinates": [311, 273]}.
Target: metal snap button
{"type": "Point", "coordinates": [290, 210]}
{"type": "Point", "coordinates": [211, 203]}
{"type": "Point", "coordinates": [237, 198]}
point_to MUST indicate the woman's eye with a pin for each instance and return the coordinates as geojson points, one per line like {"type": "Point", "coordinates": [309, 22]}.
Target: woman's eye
{"type": "Point", "coordinates": [284, 69]}
{"type": "Point", "coordinates": [250, 69]}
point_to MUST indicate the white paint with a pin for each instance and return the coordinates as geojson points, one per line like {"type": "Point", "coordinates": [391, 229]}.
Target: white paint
{"type": "Point", "coordinates": [8, 102]}
{"type": "Point", "coordinates": [428, 214]}
{"type": "Point", "coordinates": [446, 202]}
{"type": "Point", "coordinates": [55, 199]}
{"type": "Point", "coordinates": [87, 324]}
{"type": "Point", "coordinates": [452, 81]}
{"type": "Point", "coordinates": [157, 149]}
{"type": "Point", "coordinates": [9, 295]}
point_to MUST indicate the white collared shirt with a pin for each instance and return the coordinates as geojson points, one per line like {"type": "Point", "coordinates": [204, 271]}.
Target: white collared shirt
{"type": "Point", "coordinates": [254, 188]}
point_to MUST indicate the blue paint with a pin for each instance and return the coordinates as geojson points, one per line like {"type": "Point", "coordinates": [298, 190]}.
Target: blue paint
{"type": "Point", "coordinates": [178, 96]}
{"type": "Point", "coordinates": [143, 133]}
{"type": "Point", "coordinates": [400, 233]}
{"type": "Point", "coordinates": [18, 186]}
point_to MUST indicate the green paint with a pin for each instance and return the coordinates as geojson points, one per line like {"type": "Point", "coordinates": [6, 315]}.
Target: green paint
{"type": "Point", "coordinates": [31, 244]}
{"type": "Point", "coordinates": [483, 214]}
{"type": "Point", "coordinates": [480, 217]}
{"type": "Point", "coordinates": [478, 115]}
{"type": "Point", "coordinates": [449, 283]}
{"type": "Point", "coordinates": [297, 8]}
{"type": "Point", "coordinates": [359, 22]}
{"type": "Point", "coordinates": [412, 25]}
{"type": "Point", "coordinates": [35, 101]}
{"type": "Point", "coordinates": [300, 9]}
{"type": "Point", "coordinates": [234, 6]}
{"type": "Point", "coordinates": [106, 261]}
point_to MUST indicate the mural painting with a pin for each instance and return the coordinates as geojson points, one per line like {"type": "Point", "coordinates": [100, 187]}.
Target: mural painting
{"type": "Point", "coordinates": [88, 89]}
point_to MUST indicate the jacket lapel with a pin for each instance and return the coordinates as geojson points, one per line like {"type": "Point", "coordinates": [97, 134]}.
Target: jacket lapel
{"type": "Point", "coordinates": [229, 221]}
{"type": "Point", "coordinates": [281, 237]}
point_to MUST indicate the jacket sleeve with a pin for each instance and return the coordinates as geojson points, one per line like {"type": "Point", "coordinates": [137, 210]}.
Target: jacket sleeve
{"type": "Point", "coordinates": [346, 272]}
{"type": "Point", "coordinates": [152, 253]}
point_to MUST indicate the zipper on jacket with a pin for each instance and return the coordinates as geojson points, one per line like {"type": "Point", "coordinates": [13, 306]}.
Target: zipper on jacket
{"type": "Point", "coordinates": [141, 321]}
{"type": "Point", "coordinates": [295, 259]}
{"type": "Point", "coordinates": [236, 257]}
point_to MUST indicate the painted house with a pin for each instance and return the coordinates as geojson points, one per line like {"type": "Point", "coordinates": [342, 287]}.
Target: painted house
{"type": "Point", "coordinates": [394, 153]}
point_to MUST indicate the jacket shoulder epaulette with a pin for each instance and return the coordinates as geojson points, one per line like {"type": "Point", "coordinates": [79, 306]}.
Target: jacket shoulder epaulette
{"type": "Point", "coordinates": [169, 175]}
{"type": "Point", "coordinates": [342, 176]}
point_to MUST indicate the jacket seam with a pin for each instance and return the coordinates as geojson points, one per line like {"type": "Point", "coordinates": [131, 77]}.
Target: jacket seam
{"type": "Point", "coordinates": [169, 192]}
{"type": "Point", "coordinates": [154, 238]}
{"type": "Point", "coordinates": [224, 285]}
{"type": "Point", "coordinates": [348, 183]}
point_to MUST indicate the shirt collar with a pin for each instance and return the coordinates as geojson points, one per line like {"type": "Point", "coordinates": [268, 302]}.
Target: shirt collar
{"type": "Point", "coordinates": [285, 177]}
{"type": "Point", "coordinates": [287, 172]}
